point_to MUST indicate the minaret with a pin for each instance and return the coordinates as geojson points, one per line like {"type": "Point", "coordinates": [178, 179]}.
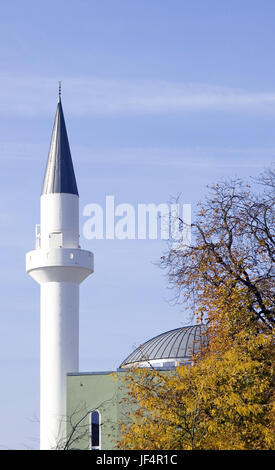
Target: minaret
{"type": "Point", "coordinates": [59, 266]}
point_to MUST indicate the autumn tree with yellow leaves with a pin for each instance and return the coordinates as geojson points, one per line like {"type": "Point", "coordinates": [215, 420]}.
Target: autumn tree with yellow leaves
{"type": "Point", "coordinates": [226, 399]}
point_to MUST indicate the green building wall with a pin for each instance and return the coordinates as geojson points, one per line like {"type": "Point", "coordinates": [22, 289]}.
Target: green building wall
{"type": "Point", "coordinates": [86, 392]}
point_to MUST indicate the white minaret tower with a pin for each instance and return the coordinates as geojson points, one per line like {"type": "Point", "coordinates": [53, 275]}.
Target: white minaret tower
{"type": "Point", "coordinates": [59, 266]}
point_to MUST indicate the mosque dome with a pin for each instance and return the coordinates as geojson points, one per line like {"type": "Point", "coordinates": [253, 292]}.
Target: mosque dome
{"type": "Point", "coordinates": [169, 349]}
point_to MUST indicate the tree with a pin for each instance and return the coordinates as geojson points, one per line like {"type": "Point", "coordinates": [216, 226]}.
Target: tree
{"type": "Point", "coordinates": [219, 403]}
{"type": "Point", "coordinates": [225, 400]}
{"type": "Point", "coordinates": [232, 255]}
{"type": "Point", "coordinates": [79, 429]}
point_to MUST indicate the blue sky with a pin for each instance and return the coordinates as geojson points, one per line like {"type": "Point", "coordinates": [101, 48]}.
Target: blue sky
{"type": "Point", "coordinates": [160, 98]}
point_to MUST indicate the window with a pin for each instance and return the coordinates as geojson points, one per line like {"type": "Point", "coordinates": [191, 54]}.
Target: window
{"type": "Point", "coordinates": [169, 365]}
{"type": "Point", "coordinates": [95, 429]}
{"type": "Point", "coordinates": [157, 364]}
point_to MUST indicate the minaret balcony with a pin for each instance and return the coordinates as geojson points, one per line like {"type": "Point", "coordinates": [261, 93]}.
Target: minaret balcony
{"type": "Point", "coordinates": [59, 264]}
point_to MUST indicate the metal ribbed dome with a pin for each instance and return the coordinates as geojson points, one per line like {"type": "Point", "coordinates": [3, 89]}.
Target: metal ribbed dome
{"type": "Point", "coordinates": [178, 345]}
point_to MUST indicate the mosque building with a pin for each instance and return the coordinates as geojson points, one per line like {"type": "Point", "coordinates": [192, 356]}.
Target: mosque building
{"type": "Point", "coordinates": [80, 409]}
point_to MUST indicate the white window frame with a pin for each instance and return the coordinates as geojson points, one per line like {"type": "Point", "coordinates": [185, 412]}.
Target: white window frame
{"type": "Point", "coordinates": [99, 430]}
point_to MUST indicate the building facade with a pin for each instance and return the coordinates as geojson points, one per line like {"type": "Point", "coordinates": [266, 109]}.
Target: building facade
{"type": "Point", "coordinates": [94, 399]}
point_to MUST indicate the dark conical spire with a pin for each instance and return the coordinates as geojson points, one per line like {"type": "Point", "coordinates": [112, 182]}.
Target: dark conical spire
{"type": "Point", "coordinates": [59, 176]}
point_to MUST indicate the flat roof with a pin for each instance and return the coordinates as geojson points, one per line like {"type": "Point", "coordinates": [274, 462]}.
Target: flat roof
{"type": "Point", "coordinates": [95, 373]}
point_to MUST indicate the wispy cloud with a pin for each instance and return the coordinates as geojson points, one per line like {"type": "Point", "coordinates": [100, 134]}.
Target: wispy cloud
{"type": "Point", "coordinates": [33, 96]}
{"type": "Point", "coordinates": [182, 157]}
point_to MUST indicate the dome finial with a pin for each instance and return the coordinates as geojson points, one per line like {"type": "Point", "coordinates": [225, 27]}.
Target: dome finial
{"type": "Point", "coordinates": [59, 93]}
